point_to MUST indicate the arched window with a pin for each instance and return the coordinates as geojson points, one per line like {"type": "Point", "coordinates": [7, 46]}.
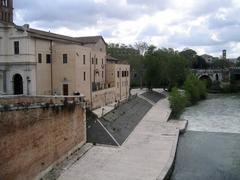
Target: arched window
{"type": "Point", "coordinates": [4, 3]}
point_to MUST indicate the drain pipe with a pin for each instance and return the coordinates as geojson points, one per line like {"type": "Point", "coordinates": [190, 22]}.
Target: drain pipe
{"type": "Point", "coordinates": [51, 52]}
{"type": "Point", "coordinates": [90, 79]}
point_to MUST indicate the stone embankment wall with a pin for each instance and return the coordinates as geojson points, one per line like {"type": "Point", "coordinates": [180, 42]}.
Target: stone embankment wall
{"type": "Point", "coordinates": [103, 97]}
{"type": "Point", "coordinates": [36, 133]}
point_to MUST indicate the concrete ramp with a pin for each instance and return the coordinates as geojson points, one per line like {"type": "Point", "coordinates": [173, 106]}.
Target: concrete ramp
{"type": "Point", "coordinates": [97, 133]}
{"type": "Point", "coordinates": [115, 127]}
{"type": "Point", "coordinates": [153, 96]}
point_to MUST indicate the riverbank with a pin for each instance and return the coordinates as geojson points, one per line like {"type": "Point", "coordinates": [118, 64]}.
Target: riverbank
{"type": "Point", "coordinates": [154, 137]}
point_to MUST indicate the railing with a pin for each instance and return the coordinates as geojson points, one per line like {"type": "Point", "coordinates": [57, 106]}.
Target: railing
{"type": "Point", "coordinates": [36, 101]}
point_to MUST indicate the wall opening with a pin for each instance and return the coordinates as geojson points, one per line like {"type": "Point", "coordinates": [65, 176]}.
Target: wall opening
{"type": "Point", "coordinates": [1, 83]}
{"type": "Point", "coordinates": [17, 84]}
{"type": "Point", "coordinates": [206, 79]}
{"type": "Point", "coordinates": [217, 77]}
{"type": "Point", "coordinates": [65, 89]}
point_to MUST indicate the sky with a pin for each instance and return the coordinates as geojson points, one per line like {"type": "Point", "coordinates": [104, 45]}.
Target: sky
{"type": "Point", "coordinates": [207, 26]}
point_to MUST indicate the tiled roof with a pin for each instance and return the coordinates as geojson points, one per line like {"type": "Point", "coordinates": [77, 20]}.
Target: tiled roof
{"type": "Point", "coordinates": [52, 36]}
{"type": "Point", "coordinates": [90, 39]}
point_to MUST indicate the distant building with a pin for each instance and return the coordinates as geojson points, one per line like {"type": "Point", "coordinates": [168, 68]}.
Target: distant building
{"type": "Point", "coordinates": [233, 60]}
{"type": "Point", "coordinates": [209, 59]}
{"type": "Point", "coordinates": [224, 54]}
{"type": "Point", "coordinates": [35, 62]}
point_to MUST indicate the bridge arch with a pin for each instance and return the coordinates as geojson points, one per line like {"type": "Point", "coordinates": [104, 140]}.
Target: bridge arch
{"type": "Point", "coordinates": [207, 79]}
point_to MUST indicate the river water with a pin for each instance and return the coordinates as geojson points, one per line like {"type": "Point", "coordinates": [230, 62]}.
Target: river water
{"type": "Point", "coordinates": [219, 113]}
{"type": "Point", "coordinates": [210, 148]}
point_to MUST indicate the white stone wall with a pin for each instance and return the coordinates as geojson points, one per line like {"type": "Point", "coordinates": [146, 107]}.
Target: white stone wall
{"type": "Point", "coordinates": [28, 73]}
{"type": "Point", "coordinates": [22, 63]}
{"type": "Point", "coordinates": [1, 83]}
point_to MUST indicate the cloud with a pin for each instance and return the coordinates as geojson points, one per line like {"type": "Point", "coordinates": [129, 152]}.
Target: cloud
{"type": "Point", "coordinates": [206, 25]}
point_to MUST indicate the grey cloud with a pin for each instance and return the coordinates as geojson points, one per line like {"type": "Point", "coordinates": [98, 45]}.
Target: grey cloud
{"type": "Point", "coordinates": [202, 8]}
{"type": "Point", "coordinates": [231, 18]}
{"type": "Point", "coordinates": [196, 37]}
{"type": "Point", "coordinates": [75, 13]}
{"type": "Point", "coordinates": [150, 4]}
{"type": "Point", "coordinates": [150, 30]}
{"type": "Point", "coordinates": [229, 34]}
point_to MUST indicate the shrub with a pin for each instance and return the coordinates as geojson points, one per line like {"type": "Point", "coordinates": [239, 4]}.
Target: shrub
{"type": "Point", "coordinates": [202, 89]}
{"type": "Point", "coordinates": [195, 89]}
{"type": "Point", "coordinates": [177, 102]}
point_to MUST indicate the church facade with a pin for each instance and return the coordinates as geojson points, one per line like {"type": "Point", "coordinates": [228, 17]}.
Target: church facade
{"type": "Point", "coordinates": [35, 62]}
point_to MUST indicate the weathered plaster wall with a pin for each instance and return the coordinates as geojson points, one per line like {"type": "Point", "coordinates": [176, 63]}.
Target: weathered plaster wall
{"type": "Point", "coordinates": [103, 97]}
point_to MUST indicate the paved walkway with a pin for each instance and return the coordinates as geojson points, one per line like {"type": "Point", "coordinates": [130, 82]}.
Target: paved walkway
{"type": "Point", "coordinates": [143, 156]}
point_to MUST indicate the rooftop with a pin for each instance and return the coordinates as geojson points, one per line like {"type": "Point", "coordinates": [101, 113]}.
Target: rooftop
{"type": "Point", "coordinates": [57, 37]}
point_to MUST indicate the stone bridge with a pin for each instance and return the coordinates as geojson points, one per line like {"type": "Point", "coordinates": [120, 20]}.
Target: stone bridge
{"type": "Point", "coordinates": [213, 75]}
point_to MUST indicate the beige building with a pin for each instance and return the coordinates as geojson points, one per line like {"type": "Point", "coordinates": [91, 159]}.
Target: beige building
{"type": "Point", "coordinates": [34, 62]}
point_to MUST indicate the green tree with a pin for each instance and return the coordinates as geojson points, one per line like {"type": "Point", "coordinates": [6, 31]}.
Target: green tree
{"type": "Point", "coordinates": [221, 64]}
{"type": "Point", "coordinates": [152, 66]}
{"type": "Point", "coordinates": [190, 55]}
{"type": "Point", "coordinates": [195, 89]}
{"type": "Point", "coordinates": [164, 68]}
{"type": "Point", "coordinates": [177, 102]}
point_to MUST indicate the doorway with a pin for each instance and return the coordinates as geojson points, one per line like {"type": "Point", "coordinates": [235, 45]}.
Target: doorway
{"type": "Point", "coordinates": [65, 89]}
{"type": "Point", "coordinates": [17, 84]}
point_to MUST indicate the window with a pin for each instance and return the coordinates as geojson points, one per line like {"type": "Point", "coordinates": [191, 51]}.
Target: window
{"type": "Point", "coordinates": [16, 47]}
{"type": "Point", "coordinates": [118, 73]}
{"type": "Point", "coordinates": [65, 59]}
{"type": "Point", "coordinates": [122, 73]}
{"type": "Point", "coordinates": [92, 61]}
{"type": "Point", "coordinates": [48, 59]}
{"type": "Point", "coordinates": [102, 74]}
{"type": "Point", "coordinates": [84, 76]}
{"type": "Point", "coordinates": [84, 59]}
{"type": "Point", "coordinates": [39, 58]}
{"type": "Point", "coordinates": [102, 61]}
{"type": "Point", "coordinates": [4, 3]}
{"type": "Point", "coordinates": [96, 61]}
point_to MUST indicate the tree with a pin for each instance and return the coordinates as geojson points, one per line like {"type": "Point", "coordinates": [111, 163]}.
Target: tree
{"type": "Point", "coordinates": [133, 57]}
{"type": "Point", "coordinates": [152, 66]}
{"type": "Point", "coordinates": [190, 55]}
{"type": "Point", "coordinates": [195, 89]}
{"type": "Point", "coordinates": [221, 64]}
{"type": "Point", "coordinates": [177, 101]}
{"type": "Point", "coordinates": [141, 46]}
{"type": "Point", "coordinates": [200, 63]}
{"type": "Point", "coordinates": [164, 68]}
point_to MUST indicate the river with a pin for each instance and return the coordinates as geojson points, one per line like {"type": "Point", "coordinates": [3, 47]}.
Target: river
{"type": "Point", "coordinates": [219, 113]}
{"type": "Point", "coordinates": [210, 149]}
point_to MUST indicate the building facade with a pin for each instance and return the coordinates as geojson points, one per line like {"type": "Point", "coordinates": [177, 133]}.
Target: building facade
{"type": "Point", "coordinates": [35, 62]}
